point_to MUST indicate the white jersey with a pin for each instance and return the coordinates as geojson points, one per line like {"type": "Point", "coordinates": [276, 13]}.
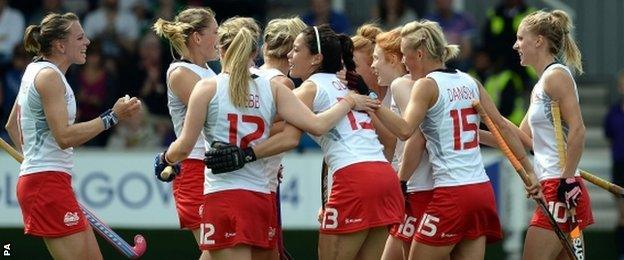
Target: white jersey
{"type": "Point", "coordinates": [422, 178]}
{"type": "Point", "coordinates": [451, 128]}
{"type": "Point", "coordinates": [546, 160]}
{"type": "Point", "coordinates": [353, 139]}
{"type": "Point", "coordinates": [177, 109]}
{"type": "Point", "coordinates": [274, 162]}
{"type": "Point", "coordinates": [41, 151]}
{"type": "Point", "coordinates": [241, 126]}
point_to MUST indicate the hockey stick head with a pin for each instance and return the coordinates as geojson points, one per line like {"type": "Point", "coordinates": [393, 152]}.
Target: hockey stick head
{"type": "Point", "coordinates": [140, 245]}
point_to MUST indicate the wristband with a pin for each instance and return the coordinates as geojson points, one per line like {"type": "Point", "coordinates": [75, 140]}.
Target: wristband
{"type": "Point", "coordinates": [109, 118]}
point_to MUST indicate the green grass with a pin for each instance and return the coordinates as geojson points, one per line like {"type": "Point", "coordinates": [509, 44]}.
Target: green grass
{"type": "Point", "coordinates": [176, 244]}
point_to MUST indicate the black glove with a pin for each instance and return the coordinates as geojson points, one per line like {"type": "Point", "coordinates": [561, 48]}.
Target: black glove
{"type": "Point", "coordinates": [568, 192]}
{"type": "Point", "coordinates": [159, 166]}
{"type": "Point", "coordinates": [356, 82]}
{"type": "Point", "coordinates": [225, 157]}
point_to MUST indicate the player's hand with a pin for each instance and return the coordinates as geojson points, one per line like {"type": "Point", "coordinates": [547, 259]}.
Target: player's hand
{"type": "Point", "coordinates": [126, 107]}
{"type": "Point", "coordinates": [404, 192]}
{"type": "Point", "coordinates": [225, 157]}
{"type": "Point", "coordinates": [160, 164]}
{"type": "Point", "coordinates": [362, 102]}
{"type": "Point", "coordinates": [319, 216]}
{"type": "Point", "coordinates": [569, 192]}
{"type": "Point", "coordinates": [535, 190]}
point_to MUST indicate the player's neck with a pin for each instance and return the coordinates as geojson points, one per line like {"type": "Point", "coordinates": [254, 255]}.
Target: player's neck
{"type": "Point", "coordinates": [279, 64]}
{"type": "Point", "coordinates": [542, 64]}
{"type": "Point", "coordinates": [196, 59]}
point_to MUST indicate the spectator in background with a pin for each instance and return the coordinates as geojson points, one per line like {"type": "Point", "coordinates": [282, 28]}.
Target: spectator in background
{"type": "Point", "coordinates": [118, 29]}
{"type": "Point", "coordinates": [393, 13]}
{"type": "Point", "coordinates": [138, 133]}
{"type": "Point", "coordinates": [614, 125]}
{"type": "Point", "coordinates": [321, 12]}
{"type": "Point", "coordinates": [95, 84]}
{"type": "Point", "coordinates": [459, 29]}
{"type": "Point", "coordinates": [499, 32]}
{"type": "Point", "coordinates": [46, 7]}
{"type": "Point", "coordinates": [11, 31]}
{"type": "Point", "coordinates": [151, 75]}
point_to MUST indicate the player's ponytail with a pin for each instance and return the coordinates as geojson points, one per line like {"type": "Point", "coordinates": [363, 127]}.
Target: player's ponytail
{"type": "Point", "coordinates": [185, 23]}
{"type": "Point", "coordinates": [236, 63]}
{"type": "Point", "coordinates": [346, 51]}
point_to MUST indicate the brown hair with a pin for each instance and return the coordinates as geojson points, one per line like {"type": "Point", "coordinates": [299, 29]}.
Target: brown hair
{"type": "Point", "coordinates": [185, 23]}
{"type": "Point", "coordinates": [38, 38]}
{"type": "Point", "coordinates": [556, 27]}
{"type": "Point", "coordinates": [364, 39]}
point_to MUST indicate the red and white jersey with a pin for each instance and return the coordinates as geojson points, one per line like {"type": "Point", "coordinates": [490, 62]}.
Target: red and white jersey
{"type": "Point", "coordinates": [353, 139]}
{"type": "Point", "coordinates": [451, 128]}
{"type": "Point", "coordinates": [177, 109]}
{"type": "Point", "coordinates": [41, 151]}
{"type": "Point", "coordinates": [241, 126]}
{"type": "Point", "coordinates": [274, 162]}
{"type": "Point", "coordinates": [422, 178]}
{"type": "Point", "coordinates": [546, 160]}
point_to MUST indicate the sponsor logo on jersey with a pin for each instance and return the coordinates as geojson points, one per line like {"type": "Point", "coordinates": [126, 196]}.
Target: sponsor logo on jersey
{"type": "Point", "coordinates": [228, 234]}
{"type": "Point", "coordinates": [71, 219]}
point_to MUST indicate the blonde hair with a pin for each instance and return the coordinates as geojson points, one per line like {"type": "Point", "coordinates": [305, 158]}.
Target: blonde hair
{"type": "Point", "coordinates": [280, 34]}
{"type": "Point", "coordinates": [429, 35]}
{"type": "Point", "coordinates": [240, 43]}
{"type": "Point", "coordinates": [184, 24]}
{"type": "Point", "coordinates": [38, 38]}
{"type": "Point", "coordinates": [556, 27]}
{"type": "Point", "coordinates": [390, 42]}
{"type": "Point", "coordinates": [364, 39]}
{"type": "Point", "coordinates": [229, 29]}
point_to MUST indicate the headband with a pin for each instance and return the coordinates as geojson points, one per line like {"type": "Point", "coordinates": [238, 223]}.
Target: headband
{"type": "Point", "coordinates": [318, 39]}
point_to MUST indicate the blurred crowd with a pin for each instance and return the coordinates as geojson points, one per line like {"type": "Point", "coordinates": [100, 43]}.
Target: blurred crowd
{"type": "Point", "coordinates": [126, 57]}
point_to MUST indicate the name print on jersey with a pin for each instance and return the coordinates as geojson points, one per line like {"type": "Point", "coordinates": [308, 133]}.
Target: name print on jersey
{"type": "Point", "coordinates": [461, 93]}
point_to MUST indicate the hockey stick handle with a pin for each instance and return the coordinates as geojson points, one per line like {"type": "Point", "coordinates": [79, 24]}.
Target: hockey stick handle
{"type": "Point", "coordinates": [523, 175]}
{"type": "Point", "coordinates": [97, 224]}
{"type": "Point", "coordinates": [166, 172]}
{"type": "Point", "coordinates": [611, 187]}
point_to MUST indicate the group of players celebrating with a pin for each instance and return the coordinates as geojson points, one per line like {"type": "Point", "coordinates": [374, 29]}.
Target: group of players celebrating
{"type": "Point", "coordinates": [397, 129]}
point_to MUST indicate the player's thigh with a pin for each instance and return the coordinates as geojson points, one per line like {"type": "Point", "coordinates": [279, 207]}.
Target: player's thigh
{"type": "Point", "coordinates": [395, 248]}
{"type": "Point", "coordinates": [81, 245]}
{"type": "Point", "coordinates": [242, 252]}
{"type": "Point", "coordinates": [422, 251]}
{"type": "Point", "coordinates": [264, 254]}
{"type": "Point", "coordinates": [373, 246]}
{"type": "Point", "coordinates": [469, 249]}
{"type": "Point", "coordinates": [541, 243]}
{"type": "Point", "coordinates": [342, 246]}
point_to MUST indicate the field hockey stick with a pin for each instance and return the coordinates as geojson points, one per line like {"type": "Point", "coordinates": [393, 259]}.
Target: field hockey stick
{"type": "Point", "coordinates": [502, 144]}
{"type": "Point", "coordinates": [324, 170]}
{"type": "Point", "coordinates": [98, 225]}
{"type": "Point", "coordinates": [609, 186]}
{"type": "Point", "coordinates": [576, 233]}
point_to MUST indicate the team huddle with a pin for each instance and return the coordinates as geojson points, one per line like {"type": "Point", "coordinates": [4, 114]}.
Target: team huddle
{"type": "Point", "coordinates": [399, 133]}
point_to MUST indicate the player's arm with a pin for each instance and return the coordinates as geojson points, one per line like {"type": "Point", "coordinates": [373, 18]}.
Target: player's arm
{"type": "Point", "coordinates": [559, 85]}
{"type": "Point", "coordinates": [293, 109]}
{"type": "Point", "coordinates": [181, 83]}
{"type": "Point", "coordinates": [12, 127]}
{"type": "Point", "coordinates": [486, 137]}
{"type": "Point", "coordinates": [194, 120]}
{"type": "Point", "coordinates": [51, 89]}
{"type": "Point", "coordinates": [412, 154]}
{"type": "Point", "coordinates": [510, 137]}
{"type": "Point", "coordinates": [422, 97]}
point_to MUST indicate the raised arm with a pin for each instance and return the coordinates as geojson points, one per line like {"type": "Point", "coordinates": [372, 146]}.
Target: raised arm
{"type": "Point", "coordinates": [194, 120]}
{"type": "Point", "coordinates": [51, 88]}
{"type": "Point", "coordinates": [559, 85]}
